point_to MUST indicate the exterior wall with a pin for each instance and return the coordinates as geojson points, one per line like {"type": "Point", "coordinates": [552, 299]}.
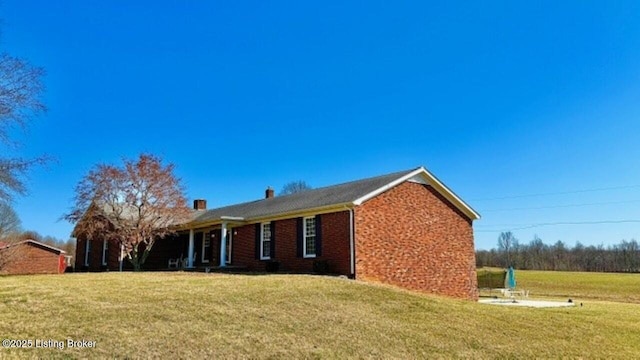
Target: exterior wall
{"type": "Point", "coordinates": [78, 259]}
{"type": "Point", "coordinates": [335, 233]}
{"type": "Point", "coordinates": [243, 248]}
{"type": "Point", "coordinates": [335, 246]}
{"type": "Point", "coordinates": [28, 258]}
{"type": "Point", "coordinates": [412, 237]}
{"type": "Point", "coordinates": [95, 255]}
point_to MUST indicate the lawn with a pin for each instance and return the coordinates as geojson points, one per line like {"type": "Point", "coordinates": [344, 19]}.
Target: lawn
{"type": "Point", "coordinates": [583, 285]}
{"type": "Point", "coordinates": [189, 315]}
{"type": "Point", "coordinates": [624, 288]}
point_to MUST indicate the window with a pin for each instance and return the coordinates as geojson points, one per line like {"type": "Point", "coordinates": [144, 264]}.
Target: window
{"type": "Point", "coordinates": [87, 251]}
{"type": "Point", "coordinates": [105, 252]}
{"type": "Point", "coordinates": [265, 242]}
{"type": "Point", "coordinates": [309, 240]}
{"type": "Point", "coordinates": [206, 247]}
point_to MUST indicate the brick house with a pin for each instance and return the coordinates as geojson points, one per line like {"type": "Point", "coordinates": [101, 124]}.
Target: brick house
{"type": "Point", "coordinates": [31, 257]}
{"type": "Point", "coordinates": [406, 229]}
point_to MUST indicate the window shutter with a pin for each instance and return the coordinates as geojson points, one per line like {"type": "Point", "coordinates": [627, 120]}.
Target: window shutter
{"type": "Point", "coordinates": [318, 236]}
{"type": "Point", "coordinates": [300, 237]}
{"type": "Point", "coordinates": [258, 231]}
{"type": "Point", "coordinates": [273, 240]}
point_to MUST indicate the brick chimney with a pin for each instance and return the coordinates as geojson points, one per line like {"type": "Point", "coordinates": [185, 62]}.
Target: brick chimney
{"type": "Point", "coordinates": [200, 204]}
{"type": "Point", "coordinates": [269, 193]}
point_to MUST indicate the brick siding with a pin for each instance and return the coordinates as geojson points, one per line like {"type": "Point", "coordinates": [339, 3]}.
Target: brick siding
{"type": "Point", "coordinates": [95, 255]}
{"type": "Point", "coordinates": [335, 246]}
{"type": "Point", "coordinates": [412, 237]}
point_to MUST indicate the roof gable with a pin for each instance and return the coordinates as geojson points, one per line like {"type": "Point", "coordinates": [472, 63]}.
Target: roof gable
{"type": "Point", "coordinates": [422, 176]}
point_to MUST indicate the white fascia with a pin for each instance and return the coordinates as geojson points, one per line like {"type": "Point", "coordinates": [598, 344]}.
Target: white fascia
{"type": "Point", "coordinates": [231, 218]}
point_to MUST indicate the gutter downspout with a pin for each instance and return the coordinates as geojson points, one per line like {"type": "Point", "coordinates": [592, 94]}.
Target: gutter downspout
{"type": "Point", "coordinates": [352, 248]}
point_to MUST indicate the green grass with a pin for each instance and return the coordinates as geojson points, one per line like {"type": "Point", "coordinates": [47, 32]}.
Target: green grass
{"type": "Point", "coordinates": [184, 315]}
{"type": "Point", "coordinates": [587, 286]}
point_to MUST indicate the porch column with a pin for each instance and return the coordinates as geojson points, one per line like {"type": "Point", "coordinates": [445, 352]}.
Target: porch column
{"type": "Point", "coordinates": [191, 246]}
{"type": "Point", "coordinates": [223, 245]}
{"type": "Point", "coordinates": [121, 257]}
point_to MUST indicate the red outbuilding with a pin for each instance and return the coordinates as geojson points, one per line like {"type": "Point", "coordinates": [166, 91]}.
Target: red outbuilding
{"type": "Point", "coordinates": [31, 257]}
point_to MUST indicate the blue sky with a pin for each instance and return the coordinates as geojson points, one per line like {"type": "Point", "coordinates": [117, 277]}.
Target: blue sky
{"type": "Point", "coordinates": [498, 100]}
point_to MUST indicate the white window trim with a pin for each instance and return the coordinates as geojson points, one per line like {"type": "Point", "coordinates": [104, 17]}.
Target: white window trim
{"type": "Point", "coordinates": [262, 257]}
{"type": "Point", "coordinates": [87, 246]}
{"type": "Point", "coordinates": [105, 247]}
{"type": "Point", "coordinates": [304, 238]}
{"type": "Point", "coordinates": [205, 236]}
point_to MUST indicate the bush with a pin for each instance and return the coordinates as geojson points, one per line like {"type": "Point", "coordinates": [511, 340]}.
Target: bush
{"type": "Point", "coordinates": [488, 279]}
{"type": "Point", "coordinates": [272, 266]}
{"type": "Point", "coordinates": [321, 267]}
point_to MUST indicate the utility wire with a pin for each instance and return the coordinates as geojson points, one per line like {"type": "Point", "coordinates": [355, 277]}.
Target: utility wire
{"type": "Point", "coordinates": [563, 206]}
{"type": "Point", "coordinates": [494, 225]}
{"type": "Point", "coordinates": [531, 226]}
{"type": "Point", "coordinates": [557, 193]}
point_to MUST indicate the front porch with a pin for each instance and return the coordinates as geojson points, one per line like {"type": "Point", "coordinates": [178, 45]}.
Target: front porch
{"type": "Point", "coordinates": [202, 249]}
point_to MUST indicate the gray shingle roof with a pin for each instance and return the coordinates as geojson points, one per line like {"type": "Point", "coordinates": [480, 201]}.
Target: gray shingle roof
{"type": "Point", "coordinates": [310, 199]}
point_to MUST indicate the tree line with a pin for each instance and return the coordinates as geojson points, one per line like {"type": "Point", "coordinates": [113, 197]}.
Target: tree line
{"type": "Point", "coordinates": [536, 255]}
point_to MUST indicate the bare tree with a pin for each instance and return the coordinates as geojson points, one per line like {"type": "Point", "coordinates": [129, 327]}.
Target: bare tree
{"type": "Point", "coordinates": [7, 253]}
{"type": "Point", "coordinates": [20, 91]}
{"type": "Point", "coordinates": [295, 187]}
{"type": "Point", "coordinates": [9, 221]}
{"type": "Point", "coordinates": [506, 244]}
{"type": "Point", "coordinates": [536, 255]}
{"type": "Point", "coordinates": [132, 205]}
{"type": "Point", "coordinates": [9, 230]}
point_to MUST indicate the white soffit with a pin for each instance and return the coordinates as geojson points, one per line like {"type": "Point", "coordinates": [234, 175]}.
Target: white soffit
{"type": "Point", "coordinates": [418, 179]}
